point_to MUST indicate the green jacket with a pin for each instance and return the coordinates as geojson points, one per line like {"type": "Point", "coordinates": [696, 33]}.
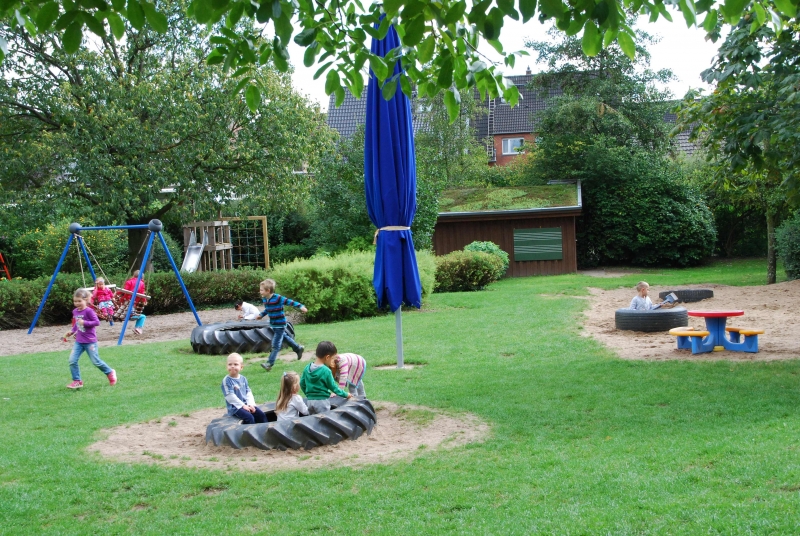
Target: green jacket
{"type": "Point", "coordinates": [318, 384]}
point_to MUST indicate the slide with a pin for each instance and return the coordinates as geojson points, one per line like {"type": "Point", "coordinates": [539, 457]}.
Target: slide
{"type": "Point", "coordinates": [194, 252]}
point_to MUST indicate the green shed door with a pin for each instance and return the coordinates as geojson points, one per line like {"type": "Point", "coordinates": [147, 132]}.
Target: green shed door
{"type": "Point", "coordinates": [538, 244]}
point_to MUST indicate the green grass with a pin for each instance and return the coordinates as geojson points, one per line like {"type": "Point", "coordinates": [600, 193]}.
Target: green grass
{"type": "Point", "coordinates": [581, 443]}
{"type": "Point", "coordinates": [516, 198]}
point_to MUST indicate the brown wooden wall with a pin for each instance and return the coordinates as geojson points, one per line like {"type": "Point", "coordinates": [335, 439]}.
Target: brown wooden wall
{"type": "Point", "coordinates": [450, 235]}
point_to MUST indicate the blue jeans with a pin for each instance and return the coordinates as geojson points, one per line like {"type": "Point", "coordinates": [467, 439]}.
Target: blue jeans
{"type": "Point", "coordinates": [279, 337]}
{"type": "Point", "coordinates": [250, 418]}
{"type": "Point", "coordinates": [140, 321]}
{"type": "Point", "coordinates": [91, 349]}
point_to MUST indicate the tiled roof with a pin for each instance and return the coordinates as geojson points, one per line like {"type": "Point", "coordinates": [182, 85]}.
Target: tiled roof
{"type": "Point", "coordinates": [682, 139]}
{"type": "Point", "coordinates": [349, 116]}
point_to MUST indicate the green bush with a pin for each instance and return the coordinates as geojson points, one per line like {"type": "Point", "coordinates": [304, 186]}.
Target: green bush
{"type": "Point", "coordinates": [333, 288]}
{"type": "Point", "coordinates": [492, 249]}
{"type": "Point", "coordinates": [467, 270]}
{"type": "Point", "coordinates": [788, 242]}
{"type": "Point", "coordinates": [289, 252]}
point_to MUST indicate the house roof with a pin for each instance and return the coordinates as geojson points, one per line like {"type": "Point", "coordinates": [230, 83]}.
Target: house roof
{"type": "Point", "coordinates": [557, 197]}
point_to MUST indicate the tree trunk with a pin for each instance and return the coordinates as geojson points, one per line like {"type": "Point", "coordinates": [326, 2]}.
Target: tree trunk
{"type": "Point", "coordinates": [136, 245]}
{"type": "Point", "coordinates": [771, 252]}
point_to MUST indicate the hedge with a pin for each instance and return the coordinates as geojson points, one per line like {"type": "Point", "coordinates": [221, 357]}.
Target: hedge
{"type": "Point", "coordinates": [788, 242]}
{"type": "Point", "coordinates": [334, 288]}
{"type": "Point", "coordinates": [467, 270]}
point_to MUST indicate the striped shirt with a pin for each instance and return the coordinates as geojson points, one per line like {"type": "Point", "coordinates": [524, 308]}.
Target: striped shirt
{"type": "Point", "coordinates": [273, 308]}
{"type": "Point", "coordinates": [351, 368]}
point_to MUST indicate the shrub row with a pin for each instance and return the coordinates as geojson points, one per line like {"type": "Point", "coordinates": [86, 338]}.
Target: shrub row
{"type": "Point", "coordinates": [335, 288]}
{"type": "Point", "coordinates": [467, 270]}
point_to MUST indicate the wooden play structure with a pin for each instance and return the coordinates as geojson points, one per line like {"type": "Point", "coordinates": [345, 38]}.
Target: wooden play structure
{"type": "Point", "coordinates": [227, 243]}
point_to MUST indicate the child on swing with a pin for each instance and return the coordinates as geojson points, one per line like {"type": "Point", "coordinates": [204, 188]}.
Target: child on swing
{"type": "Point", "coordinates": [103, 298]}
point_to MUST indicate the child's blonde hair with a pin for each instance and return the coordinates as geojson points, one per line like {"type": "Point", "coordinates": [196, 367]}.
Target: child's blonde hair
{"type": "Point", "coordinates": [288, 382]}
{"type": "Point", "coordinates": [96, 281]}
{"type": "Point", "coordinates": [235, 356]}
{"type": "Point", "coordinates": [640, 285]}
{"type": "Point", "coordinates": [83, 294]}
{"type": "Point", "coordinates": [269, 285]}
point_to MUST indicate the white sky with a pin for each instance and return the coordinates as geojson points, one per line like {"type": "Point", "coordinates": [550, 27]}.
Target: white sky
{"type": "Point", "coordinates": [683, 50]}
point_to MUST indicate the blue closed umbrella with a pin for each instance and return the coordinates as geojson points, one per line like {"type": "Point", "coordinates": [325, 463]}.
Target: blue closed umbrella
{"type": "Point", "coordinates": [390, 183]}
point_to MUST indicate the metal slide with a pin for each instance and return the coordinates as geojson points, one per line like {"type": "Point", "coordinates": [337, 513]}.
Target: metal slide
{"type": "Point", "coordinates": [194, 252]}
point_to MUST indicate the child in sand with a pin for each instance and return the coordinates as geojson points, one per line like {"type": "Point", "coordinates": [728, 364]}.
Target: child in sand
{"type": "Point", "coordinates": [317, 380]}
{"type": "Point", "coordinates": [103, 298]}
{"type": "Point", "coordinates": [273, 308]}
{"type": "Point", "coordinates": [85, 322]}
{"type": "Point", "coordinates": [247, 311]}
{"type": "Point", "coordinates": [641, 302]}
{"type": "Point", "coordinates": [289, 405]}
{"type": "Point", "coordinates": [238, 396]}
{"type": "Point", "coordinates": [348, 371]}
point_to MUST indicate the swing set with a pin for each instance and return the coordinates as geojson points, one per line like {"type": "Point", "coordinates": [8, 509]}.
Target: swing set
{"type": "Point", "coordinates": [124, 300]}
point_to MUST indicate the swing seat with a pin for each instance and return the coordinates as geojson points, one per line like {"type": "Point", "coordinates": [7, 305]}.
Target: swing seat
{"type": "Point", "coordinates": [122, 300]}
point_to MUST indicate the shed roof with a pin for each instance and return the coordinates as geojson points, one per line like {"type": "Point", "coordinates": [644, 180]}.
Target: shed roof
{"type": "Point", "coordinates": [511, 200]}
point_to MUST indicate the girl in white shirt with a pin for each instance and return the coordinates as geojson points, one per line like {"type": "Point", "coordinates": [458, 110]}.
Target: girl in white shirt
{"type": "Point", "coordinates": [289, 405]}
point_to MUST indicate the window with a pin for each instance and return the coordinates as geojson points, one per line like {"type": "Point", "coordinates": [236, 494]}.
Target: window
{"type": "Point", "coordinates": [543, 244]}
{"type": "Point", "coordinates": [512, 145]}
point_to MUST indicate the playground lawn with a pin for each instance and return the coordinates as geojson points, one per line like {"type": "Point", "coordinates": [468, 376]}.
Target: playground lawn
{"type": "Point", "coordinates": [581, 442]}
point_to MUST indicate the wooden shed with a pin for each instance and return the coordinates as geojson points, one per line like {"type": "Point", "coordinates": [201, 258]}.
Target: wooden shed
{"type": "Point", "coordinates": [539, 240]}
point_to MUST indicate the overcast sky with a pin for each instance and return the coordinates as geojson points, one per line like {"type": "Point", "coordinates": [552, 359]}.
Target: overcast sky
{"type": "Point", "coordinates": [685, 51]}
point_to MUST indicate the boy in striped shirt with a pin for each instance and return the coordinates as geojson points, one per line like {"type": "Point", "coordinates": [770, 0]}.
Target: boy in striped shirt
{"type": "Point", "coordinates": [273, 308]}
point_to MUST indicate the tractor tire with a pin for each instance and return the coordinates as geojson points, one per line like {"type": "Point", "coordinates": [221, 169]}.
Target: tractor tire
{"type": "Point", "coordinates": [689, 295]}
{"type": "Point", "coordinates": [223, 338]}
{"type": "Point", "coordinates": [649, 321]}
{"type": "Point", "coordinates": [347, 419]}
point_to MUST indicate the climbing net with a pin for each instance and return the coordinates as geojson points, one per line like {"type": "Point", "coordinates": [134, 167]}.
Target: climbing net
{"type": "Point", "coordinates": [247, 238]}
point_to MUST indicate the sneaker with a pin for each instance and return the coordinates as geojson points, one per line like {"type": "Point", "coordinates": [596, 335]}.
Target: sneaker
{"type": "Point", "coordinates": [266, 366]}
{"type": "Point", "coordinates": [112, 377]}
{"type": "Point", "coordinates": [299, 353]}
{"type": "Point", "coordinates": [137, 331]}
{"type": "Point", "coordinates": [76, 384]}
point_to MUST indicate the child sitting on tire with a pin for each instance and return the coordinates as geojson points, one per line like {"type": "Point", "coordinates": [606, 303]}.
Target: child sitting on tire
{"type": "Point", "coordinates": [238, 396]}
{"type": "Point", "coordinates": [641, 302]}
{"type": "Point", "coordinates": [317, 380]}
{"type": "Point", "coordinates": [289, 404]}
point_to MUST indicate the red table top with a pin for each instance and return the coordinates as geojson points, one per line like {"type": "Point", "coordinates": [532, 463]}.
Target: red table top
{"type": "Point", "coordinates": [715, 314]}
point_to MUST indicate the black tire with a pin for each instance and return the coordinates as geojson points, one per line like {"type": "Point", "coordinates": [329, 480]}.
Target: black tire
{"type": "Point", "coordinates": [226, 337]}
{"type": "Point", "coordinates": [649, 321]}
{"type": "Point", "coordinates": [689, 295]}
{"type": "Point", "coordinates": [347, 419]}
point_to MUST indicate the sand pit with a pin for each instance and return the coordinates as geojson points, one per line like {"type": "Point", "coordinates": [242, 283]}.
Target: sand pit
{"type": "Point", "coordinates": [774, 308]}
{"type": "Point", "coordinates": [402, 432]}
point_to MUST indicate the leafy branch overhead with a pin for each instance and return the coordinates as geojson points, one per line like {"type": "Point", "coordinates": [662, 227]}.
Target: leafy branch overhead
{"type": "Point", "coordinates": [440, 38]}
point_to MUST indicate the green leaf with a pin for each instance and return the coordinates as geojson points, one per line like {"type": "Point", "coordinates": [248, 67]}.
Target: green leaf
{"type": "Point", "coordinates": [322, 70]}
{"type": "Point", "coordinates": [73, 36]}
{"type": "Point", "coordinates": [626, 44]}
{"type": "Point", "coordinates": [392, 6]}
{"type": "Point", "coordinates": [158, 21]}
{"type": "Point", "coordinates": [476, 66]}
{"type": "Point", "coordinates": [426, 48]}
{"type": "Point", "coordinates": [511, 95]}
{"type": "Point", "coordinates": [378, 66]}
{"type": "Point", "coordinates": [497, 45]}
{"type": "Point", "coordinates": [310, 55]}
{"type": "Point", "coordinates": [451, 104]}
{"type": "Point", "coordinates": [552, 8]}
{"type": "Point", "coordinates": [215, 58]}
{"type": "Point", "coordinates": [306, 37]}
{"type": "Point", "coordinates": [66, 19]}
{"type": "Point", "coordinates": [136, 14]}
{"type": "Point", "coordinates": [506, 7]}
{"type": "Point", "coordinates": [240, 86]}
{"type": "Point", "coordinates": [528, 9]}
{"type": "Point", "coordinates": [283, 27]}
{"type": "Point", "coordinates": [280, 56]}
{"type": "Point", "coordinates": [47, 15]}
{"type": "Point", "coordinates": [3, 47]}
{"type": "Point", "coordinates": [253, 97]}
{"type": "Point", "coordinates": [119, 5]}
{"type": "Point", "coordinates": [358, 83]}
{"type": "Point", "coordinates": [277, 11]}
{"type": "Point", "coordinates": [116, 25]}
{"type": "Point", "coordinates": [235, 14]}
{"type": "Point", "coordinates": [761, 15]}
{"type": "Point", "coordinates": [786, 7]}
{"type": "Point", "coordinates": [389, 89]}
{"type": "Point", "coordinates": [219, 4]}
{"type": "Point", "coordinates": [600, 12]}
{"type": "Point", "coordinates": [405, 86]}
{"type": "Point", "coordinates": [734, 9]}
{"type": "Point", "coordinates": [331, 81]}
{"type": "Point", "coordinates": [94, 25]}
{"type": "Point", "coordinates": [265, 55]}
{"type": "Point", "coordinates": [415, 30]}
{"type": "Point", "coordinates": [445, 78]}
{"type": "Point", "coordinates": [339, 92]}
{"type": "Point", "coordinates": [592, 41]}
{"type": "Point", "coordinates": [264, 12]}
{"type": "Point", "coordinates": [711, 21]}
{"type": "Point", "coordinates": [688, 10]}
{"type": "Point", "coordinates": [456, 12]}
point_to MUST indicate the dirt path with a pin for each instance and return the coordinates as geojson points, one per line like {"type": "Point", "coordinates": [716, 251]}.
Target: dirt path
{"type": "Point", "coordinates": [774, 308]}
{"type": "Point", "coordinates": [172, 327]}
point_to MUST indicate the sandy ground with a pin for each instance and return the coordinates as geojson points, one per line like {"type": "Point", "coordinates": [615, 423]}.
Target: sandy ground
{"type": "Point", "coordinates": [179, 441]}
{"type": "Point", "coordinates": [773, 308]}
{"type": "Point", "coordinates": [172, 327]}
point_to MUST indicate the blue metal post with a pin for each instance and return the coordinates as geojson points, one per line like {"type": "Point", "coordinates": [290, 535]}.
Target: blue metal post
{"type": "Point", "coordinates": [180, 279]}
{"type": "Point", "coordinates": [52, 281]}
{"type": "Point", "coordinates": [136, 287]}
{"type": "Point", "coordinates": [86, 255]}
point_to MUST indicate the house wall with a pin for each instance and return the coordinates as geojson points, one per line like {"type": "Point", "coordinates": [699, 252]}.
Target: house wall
{"type": "Point", "coordinates": [503, 160]}
{"type": "Point", "coordinates": [449, 236]}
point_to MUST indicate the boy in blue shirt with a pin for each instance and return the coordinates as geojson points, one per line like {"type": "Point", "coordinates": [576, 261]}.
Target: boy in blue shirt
{"type": "Point", "coordinates": [238, 396]}
{"type": "Point", "coordinates": [273, 308]}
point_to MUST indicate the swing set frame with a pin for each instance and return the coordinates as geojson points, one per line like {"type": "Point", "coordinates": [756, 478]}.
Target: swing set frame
{"type": "Point", "coordinates": [154, 228]}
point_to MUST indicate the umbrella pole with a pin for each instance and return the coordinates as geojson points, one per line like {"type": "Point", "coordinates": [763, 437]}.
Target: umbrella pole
{"type": "Point", "coordinates": [398, 325]}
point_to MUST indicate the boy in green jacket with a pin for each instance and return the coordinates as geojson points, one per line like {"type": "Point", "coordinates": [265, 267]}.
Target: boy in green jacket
{"type": "Point", "coordinates": [317, 380]}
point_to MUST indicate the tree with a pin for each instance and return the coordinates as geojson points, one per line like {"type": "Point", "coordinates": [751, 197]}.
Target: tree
{"type": "Point", "coordinates": [129, 130]}
{"type": "Point", "coordinates": [749, 124]}
{"type": "Point", "coordinates": [439, 49]}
